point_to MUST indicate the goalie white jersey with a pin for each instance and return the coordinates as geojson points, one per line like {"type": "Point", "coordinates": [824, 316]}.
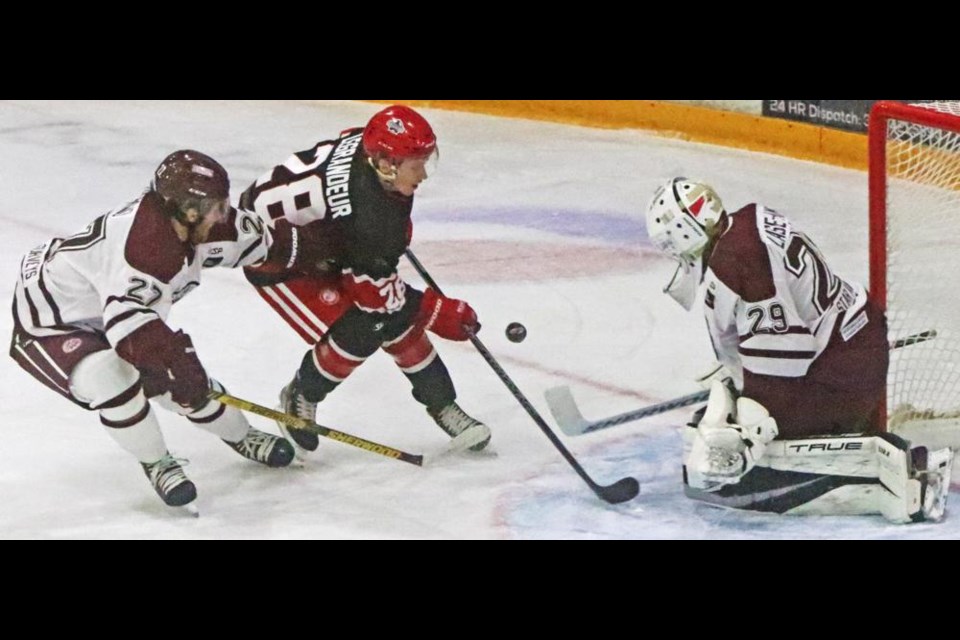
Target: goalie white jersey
{"type": "Point", "coordinates": [771, 302]}
{"type": "Point", "coordinates": [125, 269]}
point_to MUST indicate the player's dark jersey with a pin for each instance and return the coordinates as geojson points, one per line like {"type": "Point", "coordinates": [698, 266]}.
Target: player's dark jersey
{"type": "Point", "coordinates": [333, 182]}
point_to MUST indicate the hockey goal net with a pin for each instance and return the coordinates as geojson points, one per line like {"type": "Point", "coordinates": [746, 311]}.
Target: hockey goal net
{"type": "Point", "coordinates": [915, 254]}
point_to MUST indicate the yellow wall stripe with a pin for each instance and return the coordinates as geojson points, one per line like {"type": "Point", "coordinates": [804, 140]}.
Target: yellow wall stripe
{"type": "Point", "coordinates": [698, 124]}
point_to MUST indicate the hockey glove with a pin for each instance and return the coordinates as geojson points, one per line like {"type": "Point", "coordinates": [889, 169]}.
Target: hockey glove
{"type": "Point", "coordinates": [731, 437]}
{"type": "Point", "coordinates": [188, 384]}
{"type": "Point", "coordinates": [306, 249]}
{"type": "Point", "coordinates": [447, 317]}
{"type": "Point", "coordinates": [167, 362]}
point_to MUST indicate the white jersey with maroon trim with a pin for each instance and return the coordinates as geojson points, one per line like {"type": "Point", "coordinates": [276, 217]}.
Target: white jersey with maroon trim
{"type": "Point", "coordinates": [771, 302]}
{"type": "Point", "coordinates": [125, 269]}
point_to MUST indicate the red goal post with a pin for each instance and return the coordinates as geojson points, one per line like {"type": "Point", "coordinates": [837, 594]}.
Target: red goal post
{"type": "Point", "coordinates": [914, 192]}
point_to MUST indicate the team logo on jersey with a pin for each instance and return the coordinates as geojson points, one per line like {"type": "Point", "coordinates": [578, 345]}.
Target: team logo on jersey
{"type": "Point", "coordinates": [330, 296]}
{"type": "Point", "coordinates": [71, 345]}
{"type": "Point", "coordinates": [395, 126]}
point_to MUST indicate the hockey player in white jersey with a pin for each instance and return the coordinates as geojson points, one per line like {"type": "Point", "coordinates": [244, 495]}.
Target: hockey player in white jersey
{"type": "Point", "coordinates": [89, 314]}
{"type": "Point", "coordinates": [792, 421]}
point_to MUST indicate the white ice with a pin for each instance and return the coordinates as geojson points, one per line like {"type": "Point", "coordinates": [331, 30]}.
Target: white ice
{"type": "Point", "coordinates": [531, 222]}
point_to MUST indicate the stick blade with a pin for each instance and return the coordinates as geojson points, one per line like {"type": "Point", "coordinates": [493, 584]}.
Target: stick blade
{"type": "Point", "coordinates": [620, 491]}
{"type": "Point", "coordinates": [565, 412]}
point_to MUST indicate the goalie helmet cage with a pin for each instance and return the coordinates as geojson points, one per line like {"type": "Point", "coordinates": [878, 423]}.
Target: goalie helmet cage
{"type": "Point", "coordinates": [914, 184]}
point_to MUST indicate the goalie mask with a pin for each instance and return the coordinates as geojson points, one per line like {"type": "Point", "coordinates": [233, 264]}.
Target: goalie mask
{"type": "Point", "coordinates": [680, 221]}
{"type": "Point", "coordinates": [681, 217]}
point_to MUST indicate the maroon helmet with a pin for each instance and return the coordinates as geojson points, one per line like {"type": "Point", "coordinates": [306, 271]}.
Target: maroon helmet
{"type": "Point", "coordinates": [398, 132]}
{"type": "Point", "coordinates": [190, 175]}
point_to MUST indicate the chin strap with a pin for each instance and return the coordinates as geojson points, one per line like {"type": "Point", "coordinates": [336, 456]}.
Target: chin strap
{"type": "Point", "coordinates": [389, 177]}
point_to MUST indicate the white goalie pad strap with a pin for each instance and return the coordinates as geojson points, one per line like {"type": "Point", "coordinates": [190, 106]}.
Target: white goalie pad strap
{"type": "Point", "coordinates": [938, 474]}
{"type": "Point", "coordinates": [755, 422]}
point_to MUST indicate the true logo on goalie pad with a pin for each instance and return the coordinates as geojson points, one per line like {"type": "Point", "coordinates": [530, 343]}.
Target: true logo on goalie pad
{"type": "Point", "coordinates": [813, 447]}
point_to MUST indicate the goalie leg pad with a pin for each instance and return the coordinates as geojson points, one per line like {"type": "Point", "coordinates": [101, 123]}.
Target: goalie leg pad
{"type": "Point", "coordinates": [838, 475]}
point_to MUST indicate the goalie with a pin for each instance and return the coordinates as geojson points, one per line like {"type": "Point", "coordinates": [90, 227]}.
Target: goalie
{"type": "Point", "coordinates": [791, 425]}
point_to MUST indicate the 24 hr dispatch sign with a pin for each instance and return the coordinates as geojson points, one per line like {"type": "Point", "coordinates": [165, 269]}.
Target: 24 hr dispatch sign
{"type": "Point", "coordinates": [849, 115]}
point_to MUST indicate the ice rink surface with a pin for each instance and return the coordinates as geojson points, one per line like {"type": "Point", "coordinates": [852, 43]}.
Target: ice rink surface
{"type": "Point", "coordinates": [531, 222]}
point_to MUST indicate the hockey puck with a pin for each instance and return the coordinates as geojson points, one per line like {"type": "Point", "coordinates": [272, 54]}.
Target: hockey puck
{"type": "Point", "coordinates": [516, 332]}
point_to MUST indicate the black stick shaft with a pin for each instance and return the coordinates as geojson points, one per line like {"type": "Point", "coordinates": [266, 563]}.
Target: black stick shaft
{"type": "Point", "coordinates": [701, 396]}
{"type": "Point", "coordinates": [620, 491]}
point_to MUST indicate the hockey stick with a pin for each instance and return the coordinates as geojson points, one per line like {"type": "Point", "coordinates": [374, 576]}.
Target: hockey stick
{"type": "Point", "coordinates": [572, 423]}
{"type": "Point", "coordinates": [313, 427]}
{"type": "Point", "coordinates": [923, 336]}
{"type": "Point", "coordinates": [620, 491]}
{"type": "Point", "coordinates": [567, 414]}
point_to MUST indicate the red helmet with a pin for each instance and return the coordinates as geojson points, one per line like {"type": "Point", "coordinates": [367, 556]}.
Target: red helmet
{"type": "Point", "coordinates": [398, 132]}
{"type": "Point", "coordinates": [186, 175]}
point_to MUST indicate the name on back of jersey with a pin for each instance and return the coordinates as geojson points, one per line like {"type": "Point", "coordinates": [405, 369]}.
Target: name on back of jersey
{"type": "Point", "coordinates": [337, 176]}
{"type": "Point", "coordinates": [776, 228]}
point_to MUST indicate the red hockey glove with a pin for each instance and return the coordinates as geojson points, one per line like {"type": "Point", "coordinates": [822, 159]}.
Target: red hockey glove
{"type": "Point", "coordinates": [447, 317]}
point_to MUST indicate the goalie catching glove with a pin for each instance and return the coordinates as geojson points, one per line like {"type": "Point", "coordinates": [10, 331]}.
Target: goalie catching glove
{"type": "Point", "coordinates": [731, 437]}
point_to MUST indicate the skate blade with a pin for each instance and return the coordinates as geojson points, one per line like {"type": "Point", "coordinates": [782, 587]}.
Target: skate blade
{"type": "Point", "coordinates": [469, 438]}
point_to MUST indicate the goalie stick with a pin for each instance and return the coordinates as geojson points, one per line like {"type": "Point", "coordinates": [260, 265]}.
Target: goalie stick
{"type": "Point", "coordinates": [572, 423]}
{"type": "Point", "coordinates": [620, 491]}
